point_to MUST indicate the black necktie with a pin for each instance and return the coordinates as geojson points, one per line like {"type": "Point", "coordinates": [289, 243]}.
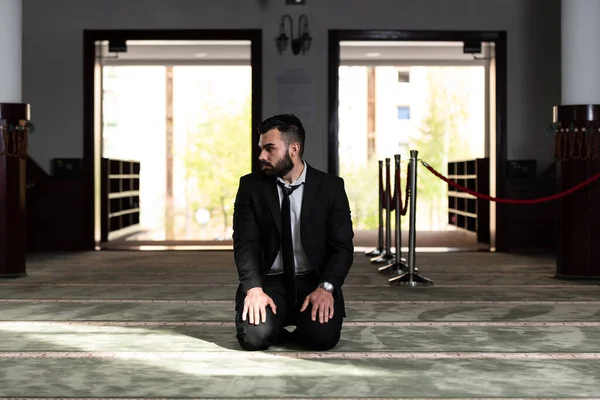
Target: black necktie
{"type": "Point", "coordinates": [287, 244]}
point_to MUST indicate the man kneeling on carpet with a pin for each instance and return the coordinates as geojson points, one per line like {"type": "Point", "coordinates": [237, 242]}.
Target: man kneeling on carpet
{"type": "Point", "coordinates": [292, 238]}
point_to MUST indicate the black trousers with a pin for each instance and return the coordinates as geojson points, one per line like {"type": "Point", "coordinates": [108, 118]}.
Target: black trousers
{"type": "Point", "coordinates": [309, 334]}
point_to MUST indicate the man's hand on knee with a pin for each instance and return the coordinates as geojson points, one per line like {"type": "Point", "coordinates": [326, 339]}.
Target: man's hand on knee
{"type": "Point", "coordinates": [255, 306]}
{"type": "Point", "coordinates": [322, 304]}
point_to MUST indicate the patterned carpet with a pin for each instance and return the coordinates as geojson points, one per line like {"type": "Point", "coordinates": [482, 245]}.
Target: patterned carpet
{"type": "Point", "coordinates": [148, 325]}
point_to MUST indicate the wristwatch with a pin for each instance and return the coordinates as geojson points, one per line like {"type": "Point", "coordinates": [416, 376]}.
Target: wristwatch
{"type": "Point", "coordinates": [326, 286]}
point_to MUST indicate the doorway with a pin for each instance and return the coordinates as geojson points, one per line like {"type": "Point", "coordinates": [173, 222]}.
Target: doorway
{"type": "Point", "coordinates": [161, 108]}
{"type": "Point", "coordinates": [440, 93]}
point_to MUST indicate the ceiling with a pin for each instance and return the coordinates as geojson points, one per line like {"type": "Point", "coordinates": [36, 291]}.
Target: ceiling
{"type": "Point", "coordinates": [239, 51]}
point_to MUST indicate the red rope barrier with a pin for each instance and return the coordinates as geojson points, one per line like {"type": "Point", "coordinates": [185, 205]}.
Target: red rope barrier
{"type": "Point", "coordinates": [511, 201]}
{"type": "Point", "coordinates": [408, 189]}
{"type": "Point", "coordinates": [388, 187]}
{"type": "Point", "coordinates": [398, 192]}
{"type": "Point", "coordinates": [382, 190]}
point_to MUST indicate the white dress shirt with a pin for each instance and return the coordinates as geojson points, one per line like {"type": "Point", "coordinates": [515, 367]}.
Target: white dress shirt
{"type": "Point", "coordinates": [301, 264]}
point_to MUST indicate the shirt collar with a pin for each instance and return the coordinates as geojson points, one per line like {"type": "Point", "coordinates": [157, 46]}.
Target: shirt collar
{"type": "Point", "coordinates": [301, 179]}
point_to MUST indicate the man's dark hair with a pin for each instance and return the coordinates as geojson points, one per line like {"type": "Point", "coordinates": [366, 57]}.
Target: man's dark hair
{"type": "Point", "coordinates": [290, 127]}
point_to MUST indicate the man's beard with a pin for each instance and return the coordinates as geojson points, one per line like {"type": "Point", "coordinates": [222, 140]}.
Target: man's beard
{"type": "Point", "coordinates": [282, 168]}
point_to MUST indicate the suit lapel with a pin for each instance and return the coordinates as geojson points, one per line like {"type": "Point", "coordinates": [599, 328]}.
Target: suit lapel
{"type": "Point", "coordinates": [310, 190]}
{"type": "Point", "coordinates": [273, 199]}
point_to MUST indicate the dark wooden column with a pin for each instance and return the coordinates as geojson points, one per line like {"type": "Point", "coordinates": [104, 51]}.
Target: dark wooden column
{"type": "Point", "coordinates": [577, 150]}
{"type": "Point", "coordinates": [14, 129]}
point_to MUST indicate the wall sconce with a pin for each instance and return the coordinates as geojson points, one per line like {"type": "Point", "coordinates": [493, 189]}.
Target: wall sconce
{"type": "Point", "coordinates": [301, 43]}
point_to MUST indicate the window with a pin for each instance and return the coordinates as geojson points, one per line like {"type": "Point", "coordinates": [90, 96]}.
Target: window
{"type": "Point", "coordinates": [403, 112]}
{"type": "Point", "coordinates": [403, 77]}
{"type": "Point", "coordinates": [110, 110]}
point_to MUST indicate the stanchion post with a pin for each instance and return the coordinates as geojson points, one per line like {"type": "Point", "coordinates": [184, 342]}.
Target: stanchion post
{"type": "Point", "coordinates": [400, 265]}
{"type": "Point", "coordinates": [411, 278]}
{"type": "Point", "coordinates": [387, 254]}
{"type": "Point", "coordinates": [379, 250]}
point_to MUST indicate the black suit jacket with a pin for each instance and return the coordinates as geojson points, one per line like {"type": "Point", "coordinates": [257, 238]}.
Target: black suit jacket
{"type": "Point", "coordinates": [325, 227]}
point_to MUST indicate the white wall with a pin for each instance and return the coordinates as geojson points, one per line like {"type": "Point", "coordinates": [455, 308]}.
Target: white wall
{"type": "Point", "coordinates": [53, 73]}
